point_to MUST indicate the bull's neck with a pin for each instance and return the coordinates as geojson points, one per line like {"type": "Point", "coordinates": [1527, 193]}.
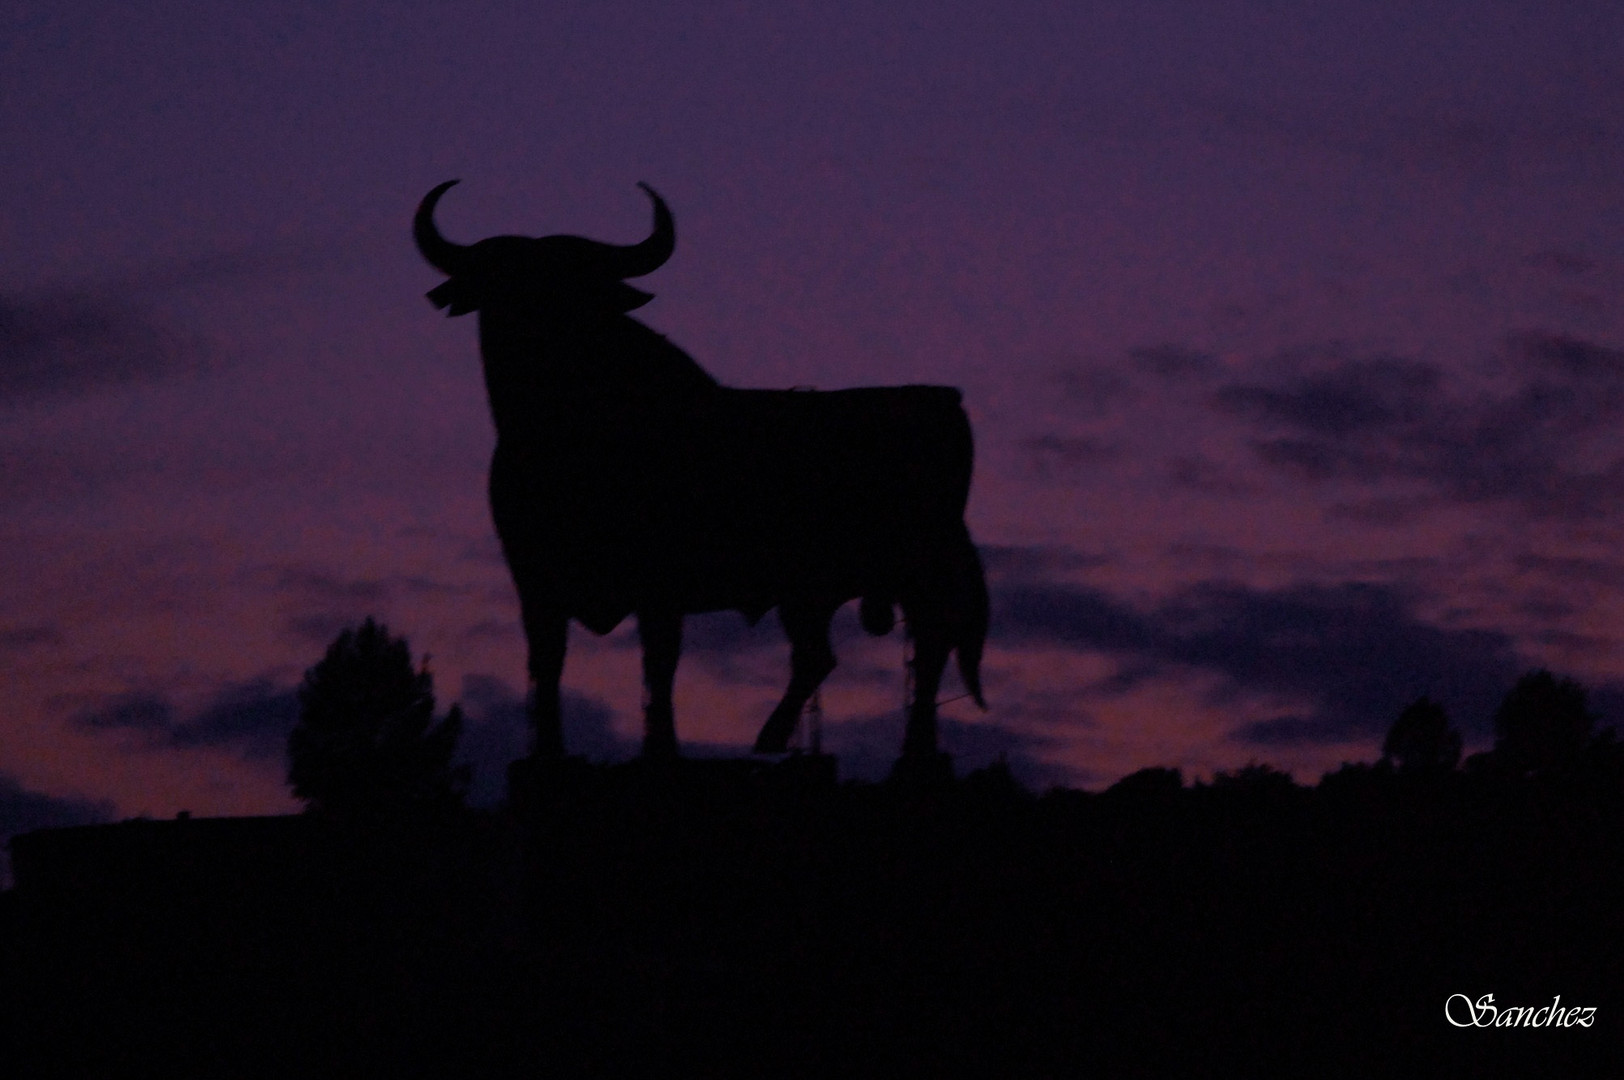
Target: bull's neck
{"type": "Point", "coordinates": [537, 368]}
{"type": "Point", "coordinates": [521, 373]}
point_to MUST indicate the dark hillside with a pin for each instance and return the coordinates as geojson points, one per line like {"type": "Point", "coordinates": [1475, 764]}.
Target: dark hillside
{"type": "Point", "coordinates": [627, 920]}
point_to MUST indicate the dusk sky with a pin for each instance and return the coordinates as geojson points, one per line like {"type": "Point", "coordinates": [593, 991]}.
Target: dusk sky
{"type": "Point", "coordinates": [1291, 337]}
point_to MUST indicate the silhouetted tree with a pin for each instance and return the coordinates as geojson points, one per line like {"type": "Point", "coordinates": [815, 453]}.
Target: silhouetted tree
{"type": "Point", "coordinates": [1543, 726]}
{"type": "Point", "coordinates": [1421, 740]}
{"type": "Point", "coordinates": [366, 743]}
{"type": "Point", "coordinates": [996, 781]}
{"type": "Point", "coordinates": [1254, 778]}
{"type": "Point", "coordinates": [1154, 782]}
{"type": "Point", "coordinates": [1358, 779]}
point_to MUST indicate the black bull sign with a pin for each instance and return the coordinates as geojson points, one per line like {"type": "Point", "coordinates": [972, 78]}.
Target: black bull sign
{"type": "Point", "coordinates": [627, 481]}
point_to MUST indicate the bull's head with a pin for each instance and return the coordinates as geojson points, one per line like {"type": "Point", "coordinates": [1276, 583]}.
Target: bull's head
{"type": "Point", "coordinates": [569, 275]}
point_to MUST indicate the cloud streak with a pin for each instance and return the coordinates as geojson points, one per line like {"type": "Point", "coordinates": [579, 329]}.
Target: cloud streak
{"type": "Point", "coordinates": [1546, 443]}
{"type": "Point", "coordinates": [1351, 655]}
{"type": "Point", "coordinates": [15, 639]}
{"type": "Point", "coordinates": [250, 719]}
{"type": "Point", "coordinates": [67, 344]}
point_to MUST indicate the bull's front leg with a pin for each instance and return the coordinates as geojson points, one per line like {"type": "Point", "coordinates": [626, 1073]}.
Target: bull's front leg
{"type": "Point", "coordinates": [661, 634]}
{"type": "Point", "coordinates": [546, 631]}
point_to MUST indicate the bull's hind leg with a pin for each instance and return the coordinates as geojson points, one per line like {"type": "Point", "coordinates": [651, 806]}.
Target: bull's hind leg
{"type": "Point", "coordinates": [931, 649]}
{"type": "Point", "coordinates": [930, 627]}
{"type": "Point", "coordinates": [661, 634]}
{"type": "Point", "coordinates": [806, 624]}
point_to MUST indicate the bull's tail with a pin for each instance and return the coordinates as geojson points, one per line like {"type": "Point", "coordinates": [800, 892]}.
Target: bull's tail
{"type": "Point", "coordinates": [971, 609]}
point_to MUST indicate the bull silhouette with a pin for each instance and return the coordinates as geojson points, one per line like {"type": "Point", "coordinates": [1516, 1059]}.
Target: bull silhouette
{"type": "Point", "coordinates": [626, 480]}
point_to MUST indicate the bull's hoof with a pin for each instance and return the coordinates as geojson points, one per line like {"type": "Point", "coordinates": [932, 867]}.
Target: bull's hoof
{"type": "Point", "coordinates": [660, 750]}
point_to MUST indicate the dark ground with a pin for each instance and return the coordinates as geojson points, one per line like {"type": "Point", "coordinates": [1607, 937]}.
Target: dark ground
{"type": "Point", "coordinates": [730, 920]}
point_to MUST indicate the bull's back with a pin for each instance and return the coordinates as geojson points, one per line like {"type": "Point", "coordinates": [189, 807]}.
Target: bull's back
{"type": "Point", "coordinates": [910, 445]}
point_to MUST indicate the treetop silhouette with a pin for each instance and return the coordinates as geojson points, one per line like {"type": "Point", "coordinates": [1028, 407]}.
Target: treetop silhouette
{"type": "Point", "coordinates": [1543, 727]}
{"type": "Point", "coordinates": [1421, 740]}
{"type": "Point", "coordinates": [366, 744]}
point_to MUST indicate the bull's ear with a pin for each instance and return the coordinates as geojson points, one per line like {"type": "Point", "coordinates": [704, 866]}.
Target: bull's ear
{"type": "Point", "coordinates": [455, 294]}
{"type": "Point", "coordinates": [625, 298]}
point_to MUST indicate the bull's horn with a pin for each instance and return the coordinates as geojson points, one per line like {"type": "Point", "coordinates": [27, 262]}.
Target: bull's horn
{"type": "Point", "coordinates": [635, 260]}
{"type": "Point", "coordinates": [442, 254]}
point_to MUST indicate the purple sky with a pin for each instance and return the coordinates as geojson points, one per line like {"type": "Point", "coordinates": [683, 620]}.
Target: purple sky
{"type": "Point", "coordinates": [1291, 339]}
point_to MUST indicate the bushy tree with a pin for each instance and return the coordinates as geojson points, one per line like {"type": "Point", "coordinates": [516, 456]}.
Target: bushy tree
{"type": "Point", "coordinates": [1154, 782]}
{"type": "Point", "coordinates": [1543, 726]}
{"type": "Point", "coordinates": [1421, 740]}
{"type": "Point", "coordinates": [1254, 779]}
{"type": "Point", "coordinates": [366, 744]}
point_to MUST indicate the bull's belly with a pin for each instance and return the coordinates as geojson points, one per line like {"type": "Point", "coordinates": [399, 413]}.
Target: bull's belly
{"type": "Point", "coordinates": [735, 500]}
{"type": "Point", "coordinates": [600, 586]}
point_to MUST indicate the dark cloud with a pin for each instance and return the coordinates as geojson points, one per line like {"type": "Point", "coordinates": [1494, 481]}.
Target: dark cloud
{"type": "Point", "coordinates": [1291, 730]}
{"type": "Point", "coordinates": [1054, 457]}
{"type": "Point", "coordinates": [1198, 472]}
{"type": "Point", "coordinates": [75, 339]}
{"type": "Point", "coordinates": [1584, 571]}
{"type": "Point", "coordinates": [1354, 654]}
{"type": "Point", "coordinates": [68, 344]}
{"type": "Point", "coordinates": [1422, 137]}
{"type": "Point", "coordinates": [422, 586]}
{"type": "Point", "coordinates": [1173, 361]}
{"type": "Point", "coordinates": [320, 585]}
{"type": "Point", "coordinates": [493, 629]}
{"type": "Point", "coordinates": [18, 638]}
{"type": "Point", "coordinates": [56, 471]}
{"type": "Point", "coordinates": [726, 633]}
{"type": "Point", "coordinates": [1354, 397]}
{"type": "Point", "coordinates": [315, 584]}
{"type": "Point", "coordinates": [1093, 390]}
{"type": "Point", "coordinates": [329, 604]}
{"type": "Point", "coordinates": [253, 718]}
{"type": "Point", "coordinates": [1014, 562]}
{"type": "Point", "coordinates": [1385, 511]}
{"type": "Point", "coordinates": [324, 604]}
{"type": "Point", "coordinates": [725, 645]}
{"type": "Point", "coordinates": [1547, 442]}
{"type": "Point", "coordinates": [734, 653]}
{"type": "Point", "coordinates": [148, 714]}
{"type": "Point", "coordinates": [319, 628]}
{"type": "Point", "coordinates": [1556, 261]}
